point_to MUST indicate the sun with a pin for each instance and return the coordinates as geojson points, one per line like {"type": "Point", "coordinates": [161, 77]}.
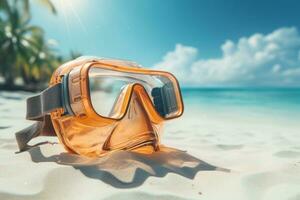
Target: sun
{"type": "Point", "coordinates": [71, 11]}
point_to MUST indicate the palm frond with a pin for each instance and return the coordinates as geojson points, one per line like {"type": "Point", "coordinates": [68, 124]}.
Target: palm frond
{"type": "Point", "coordinates": [49, 5]}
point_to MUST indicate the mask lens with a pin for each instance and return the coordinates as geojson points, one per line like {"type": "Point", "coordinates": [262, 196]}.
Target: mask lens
{"type": "Point", "coordinates": [108, 87]}
{"type": "Point", "coordinates": [104, 91]}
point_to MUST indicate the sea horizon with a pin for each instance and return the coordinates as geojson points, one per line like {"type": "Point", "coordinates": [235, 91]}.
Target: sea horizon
{"type": "Point", "coordinates": [263, 103]}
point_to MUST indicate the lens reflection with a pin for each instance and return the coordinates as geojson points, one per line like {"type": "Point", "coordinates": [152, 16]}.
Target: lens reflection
{"type": "Point", "coordinates": [107, 86]}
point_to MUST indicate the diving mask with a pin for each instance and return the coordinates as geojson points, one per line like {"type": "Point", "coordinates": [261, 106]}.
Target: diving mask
{"type": "Point", "coordinates": [100, 105]}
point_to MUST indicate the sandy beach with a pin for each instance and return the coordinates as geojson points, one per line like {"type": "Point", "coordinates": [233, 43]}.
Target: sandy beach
{"type": "Point", "coordinates": [209, 154]}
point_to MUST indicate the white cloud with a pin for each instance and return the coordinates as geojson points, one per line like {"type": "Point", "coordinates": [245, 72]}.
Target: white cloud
{"type": "Point", "coordinates": [267, 60]}
{"type": "Point", "coordinates": [179, 59]}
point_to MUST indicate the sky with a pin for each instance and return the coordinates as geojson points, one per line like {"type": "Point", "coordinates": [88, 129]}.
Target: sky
{"type": "Point", "coordinates": [203, 42]}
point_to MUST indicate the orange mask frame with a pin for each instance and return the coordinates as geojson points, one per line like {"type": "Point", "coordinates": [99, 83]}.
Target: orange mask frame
{"type": "Point", "coordinates": [86, 132]}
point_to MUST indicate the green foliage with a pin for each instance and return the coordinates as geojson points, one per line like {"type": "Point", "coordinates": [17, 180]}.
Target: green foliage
{"type": "Point", "coordinates": [24, 52]}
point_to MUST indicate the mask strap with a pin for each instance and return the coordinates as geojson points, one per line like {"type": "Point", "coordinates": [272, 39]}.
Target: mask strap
{"type": "Point", "coordinates": [43, 127]}
{"type": "Point", "coordinates": [38, 109]}
{"type": "Point", "coordinates": [42, 104]}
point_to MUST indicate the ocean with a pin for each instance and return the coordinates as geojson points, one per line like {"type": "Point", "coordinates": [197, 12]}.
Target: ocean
{"type": "Point", "coordinates": [281, 103]}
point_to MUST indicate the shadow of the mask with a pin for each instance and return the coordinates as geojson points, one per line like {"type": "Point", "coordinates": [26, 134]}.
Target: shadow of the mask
{"type": "Point", "coordinates": [125, 169]}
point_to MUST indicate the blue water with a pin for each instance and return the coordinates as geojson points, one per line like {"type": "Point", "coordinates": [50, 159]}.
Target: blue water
{"type": "Point", "coordinates": [268, 101]}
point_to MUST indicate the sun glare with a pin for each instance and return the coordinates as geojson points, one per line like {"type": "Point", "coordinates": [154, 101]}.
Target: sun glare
{"type": "Point", "coordinates": [69, 10]}
{"type": "Point", "coordinates": [68, 6]}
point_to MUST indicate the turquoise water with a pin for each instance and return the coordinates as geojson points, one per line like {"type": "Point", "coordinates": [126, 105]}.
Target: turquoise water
{"type": "Point", "coordinates": [264, 101]}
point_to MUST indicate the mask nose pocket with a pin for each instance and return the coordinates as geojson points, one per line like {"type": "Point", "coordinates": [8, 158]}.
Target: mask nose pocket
{"type": "Point", "coordinates": [119, 103]}
{"type": "Point", "coordinates": [134, 130]}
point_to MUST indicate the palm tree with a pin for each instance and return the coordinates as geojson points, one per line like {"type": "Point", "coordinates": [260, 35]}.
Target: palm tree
{"type": "Point", "coordinates": [22, 47]}
{"type": "Point", "coordinates": [15, 43]}
{"type": "Point", "coordinates": [42, 61]}
{"type": "Point", "coordinates": [24, 5]}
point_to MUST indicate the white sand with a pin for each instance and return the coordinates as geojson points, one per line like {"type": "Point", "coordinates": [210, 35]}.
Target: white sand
{"type": "Point", "coordinates": [262, 154]}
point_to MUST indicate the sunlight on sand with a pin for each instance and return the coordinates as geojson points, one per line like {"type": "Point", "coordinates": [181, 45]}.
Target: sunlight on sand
{"type": "Point", "coordinates": [223, 158]}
